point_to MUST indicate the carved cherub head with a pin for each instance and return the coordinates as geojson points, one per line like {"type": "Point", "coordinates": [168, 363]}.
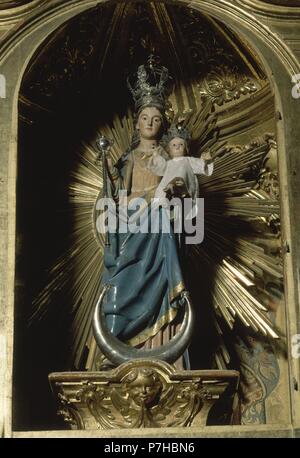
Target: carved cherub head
{"type": "Point", "coordinates": [143, 386]}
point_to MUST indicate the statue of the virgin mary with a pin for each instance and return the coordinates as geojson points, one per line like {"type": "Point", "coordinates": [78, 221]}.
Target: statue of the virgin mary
{"type": "Point", "coordinates": [143, 279]}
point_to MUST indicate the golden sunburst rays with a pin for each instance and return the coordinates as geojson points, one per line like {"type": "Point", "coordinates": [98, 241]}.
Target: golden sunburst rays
{"type": "Point", "coordinates": [120, 131]}
{"type": "Point", "coordinates": [235, 210]}
{"type": "Point", "coordinates": [235, 248]}
{"type": "Point", "coordinates": [237, 242]}
{"type": "Point", "coordinates": [241, 252]}
{"type": "Point", "coordinates": [74, 280]}
{"type": "Point", "coordinates": [76, 275]}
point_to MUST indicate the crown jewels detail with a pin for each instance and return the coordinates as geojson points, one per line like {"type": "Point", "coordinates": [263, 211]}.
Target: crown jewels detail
{"type": "Point", "coordinates": [151, 85]}
{"type": "Point", "coordinates": [176, 131]}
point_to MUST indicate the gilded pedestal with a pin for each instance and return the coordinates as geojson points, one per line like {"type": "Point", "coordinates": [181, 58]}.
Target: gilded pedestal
{"type": "Point", "coordinates": [145, 394]}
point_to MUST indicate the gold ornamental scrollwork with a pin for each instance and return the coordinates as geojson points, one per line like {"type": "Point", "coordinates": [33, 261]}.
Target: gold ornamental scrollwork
{"type": "Point", "coordinates": [223, 85]}
{"type": "Point", "coordinates": [139, 394]}
{"type": "Point", "coordinates": [69, 414]}
{"type": "Point", "coordinates": [143, 399]}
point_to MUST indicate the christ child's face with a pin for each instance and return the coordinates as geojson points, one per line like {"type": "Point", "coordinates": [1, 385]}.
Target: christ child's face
{"type": "Point", "coordinates": [177, 147]}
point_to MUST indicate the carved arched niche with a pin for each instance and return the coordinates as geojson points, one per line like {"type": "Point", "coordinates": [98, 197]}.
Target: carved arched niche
{"type": "Point", "coordinates": [75, 87]}
{"type": "Point", "coordinates": [63, 103]}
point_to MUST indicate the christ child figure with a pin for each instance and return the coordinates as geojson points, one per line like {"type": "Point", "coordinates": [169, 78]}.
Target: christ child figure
{"type": "Point", "coordinates": [179, 172]}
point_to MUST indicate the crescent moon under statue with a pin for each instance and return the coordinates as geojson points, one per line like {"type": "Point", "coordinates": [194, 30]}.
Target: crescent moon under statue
{"type": "Point", "coordinates": [118, 352]}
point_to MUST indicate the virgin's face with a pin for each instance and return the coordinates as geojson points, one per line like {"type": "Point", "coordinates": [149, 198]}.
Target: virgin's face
{"type": "Point", "coordinates": [149, 123]}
